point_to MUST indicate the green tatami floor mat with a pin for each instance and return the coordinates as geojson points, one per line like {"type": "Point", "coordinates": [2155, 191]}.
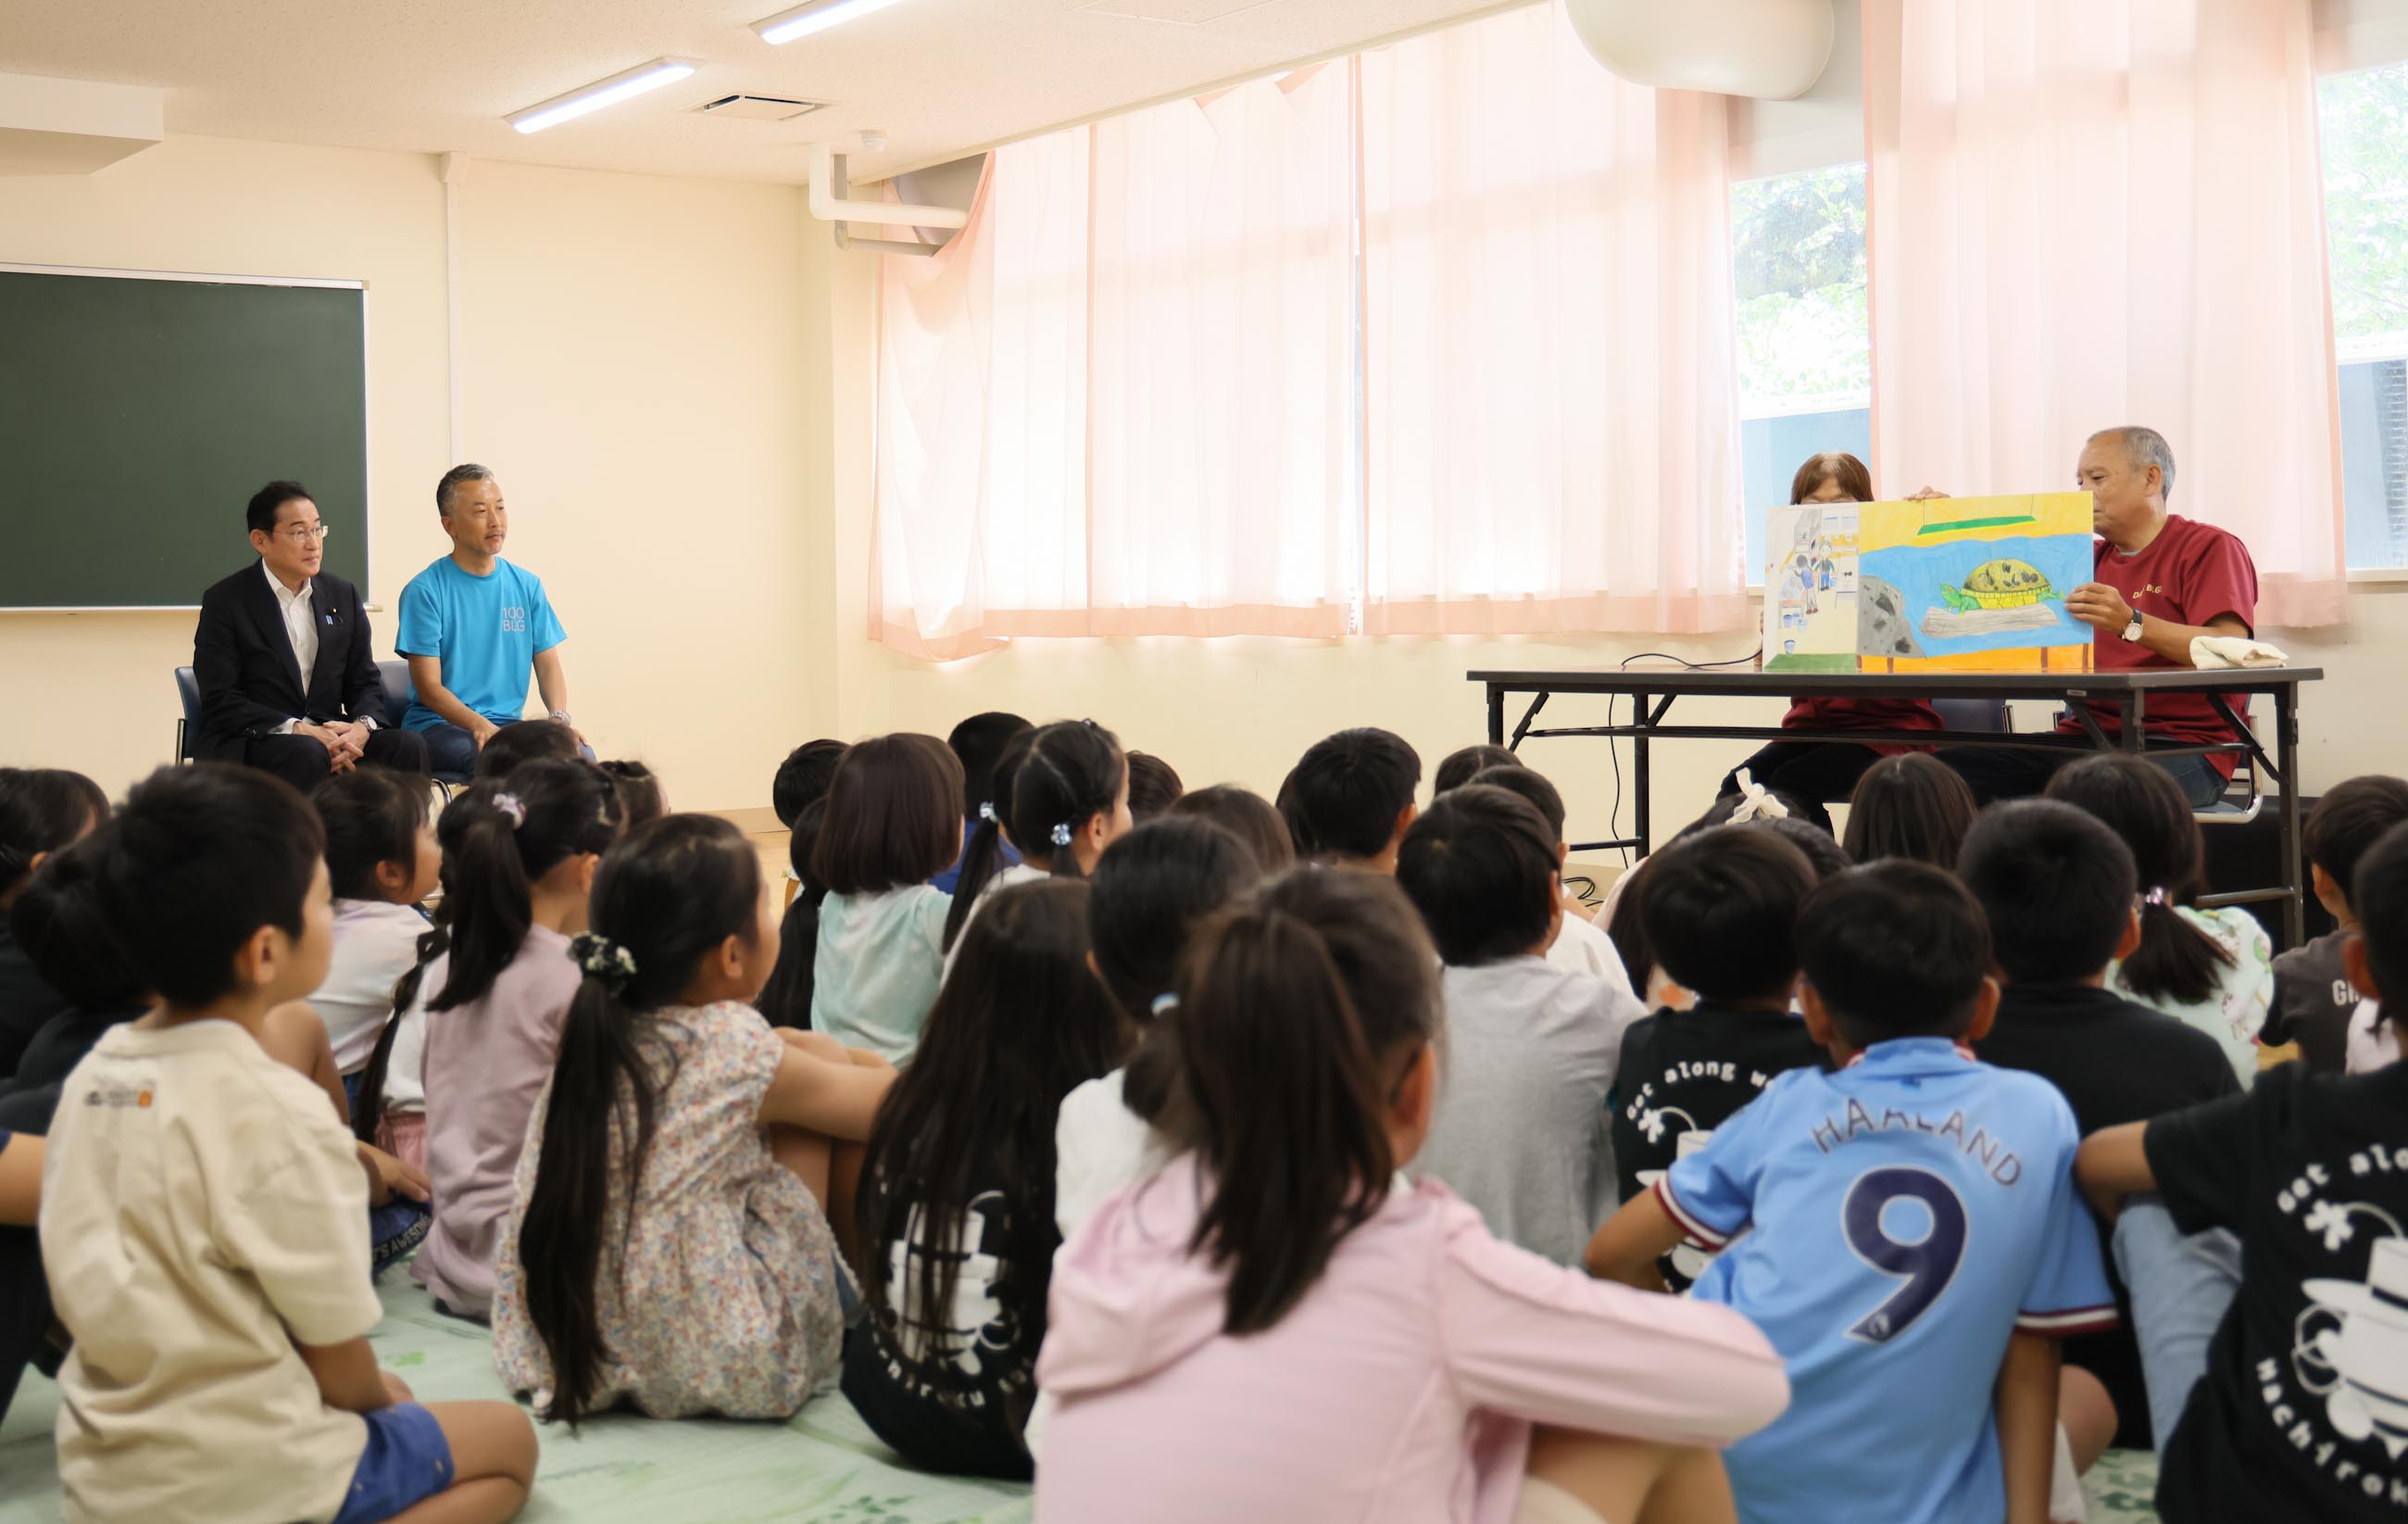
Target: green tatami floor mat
{"type": "Point", "coordinates": [821, 1465]}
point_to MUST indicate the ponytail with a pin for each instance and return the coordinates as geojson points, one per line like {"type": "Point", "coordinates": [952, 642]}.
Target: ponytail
{"type": "Point", "coordinates": [1074, 772]}
{"type": "Point", "coordinates": [432, 944]}
{"type": "Point", "coordinates": [1293, 1012]}
{"type": "Point", "coordinates": [664, 900]}
{"type": "Point", "coordinates": [982, 856]}
{"type": "Point", "coordinates": [499, 838]}
{"type": "Point", "coordinates": [2140, 802]}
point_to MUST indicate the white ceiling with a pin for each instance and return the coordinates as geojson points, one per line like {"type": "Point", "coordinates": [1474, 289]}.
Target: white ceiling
{"type": "Point", "coordinates": [940, 78]}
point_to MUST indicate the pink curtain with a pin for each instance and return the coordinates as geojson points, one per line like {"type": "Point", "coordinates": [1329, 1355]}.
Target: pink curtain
{"type": "Point", "coordinates": [980, 530]}
{"type": "Point", "coordinates": [2092, 212]}
{"type": "Point", "coordinates": [1551, 384]}
{"type": "Point", "coordinates": [1119, 402]}
{"type": "Point", "coordinates": [1223, 353]}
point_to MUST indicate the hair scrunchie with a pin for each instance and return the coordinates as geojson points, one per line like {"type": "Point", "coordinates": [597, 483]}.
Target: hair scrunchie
{"type": "Point", "coordinates": [510, 805]}
{"type": "Point", "coordinates": [1061, 836]}
{"type": "Point", "coordinates": [2156, 896]}
{"type": "Point", "coordinates": [1756, 802]}
{"type": "Point", "coordinates": [604, 960]}
{"type": "Point", "coordinates": [986, 810]}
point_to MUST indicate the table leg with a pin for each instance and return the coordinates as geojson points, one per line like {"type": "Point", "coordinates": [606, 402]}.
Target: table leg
{"type": "Point", "coordinates": [2286, 731]}
{"type": "Point", "coordinates": [2136, 721]}
{"type": "Point", "coordinates": [1496, 715]}
{"type": "Point", "coordinates": [1640, 719]}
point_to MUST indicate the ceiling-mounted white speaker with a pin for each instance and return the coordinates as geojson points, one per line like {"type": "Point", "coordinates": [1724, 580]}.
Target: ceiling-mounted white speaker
{"type": "Point", "coordinates": [1772, 49]}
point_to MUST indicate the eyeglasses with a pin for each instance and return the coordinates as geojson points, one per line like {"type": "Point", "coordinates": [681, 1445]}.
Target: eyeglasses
{"type": "Point", "coordinates": [301, 534]}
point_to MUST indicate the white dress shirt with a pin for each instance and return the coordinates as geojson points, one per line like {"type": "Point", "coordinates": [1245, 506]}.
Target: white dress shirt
{"type": "Point", "coordinates": [300, 628]}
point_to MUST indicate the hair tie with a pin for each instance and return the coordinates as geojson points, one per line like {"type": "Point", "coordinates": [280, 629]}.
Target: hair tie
{"type": "Point", "coordinates": [2154, 897]}
{"type": "Point", "coordinates": [604, 960]}
{"type": "Point", "coordinates": [1756, 802]}
{"type": "Point", "coordinates": [509, 804]}
{"type": "Point", "coordinates": [1061, 836]}
{"type": "Point", "coordinates": [986, 810]}
{"type": "Point", "coordinates": [1165, 1004]}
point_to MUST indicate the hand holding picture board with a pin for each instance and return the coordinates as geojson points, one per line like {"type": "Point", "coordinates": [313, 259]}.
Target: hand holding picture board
{"type": "Point", "coordinates": [1961, 583]}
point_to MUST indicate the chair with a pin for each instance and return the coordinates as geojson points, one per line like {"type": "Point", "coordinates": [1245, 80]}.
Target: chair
{"type": "Point", "coordinates": [188, 693]}
{"type": "Point", "coordinates": [399, 693]}
{"type": "Point", "coordinates": [1978, 714]}
{"type": "Point", "coordinates": [2244, 799]}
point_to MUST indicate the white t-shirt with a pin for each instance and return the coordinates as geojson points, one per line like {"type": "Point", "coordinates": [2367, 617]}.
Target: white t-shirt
{"type": "Point", "coordinates": [1100, 1146]}
{"type": "Point", "coordinates": [376, 942]}
{"type": "Point", "coordinates": [875, 972]}
{"type": "Point", "coordinates": [404, 1068]}
{"type": "Point", "coordinates": [1013, 874]}
{"type": "Point", "coordinates": [201, 1211]}
{"type": "Point", "coordinates": [1583, 947]}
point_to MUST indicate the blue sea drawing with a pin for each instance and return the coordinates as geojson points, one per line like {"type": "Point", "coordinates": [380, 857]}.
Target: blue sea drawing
{"type": "Point", "coordinates": [1920, 571]}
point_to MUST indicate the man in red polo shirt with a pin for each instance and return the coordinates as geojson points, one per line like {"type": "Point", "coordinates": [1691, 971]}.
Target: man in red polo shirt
{"type": "Point", "coordinates": [2162, 581]}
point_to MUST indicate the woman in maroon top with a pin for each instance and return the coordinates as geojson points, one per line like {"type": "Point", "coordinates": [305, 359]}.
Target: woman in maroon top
{"type": "Point", "coordinates": [1813, 773]}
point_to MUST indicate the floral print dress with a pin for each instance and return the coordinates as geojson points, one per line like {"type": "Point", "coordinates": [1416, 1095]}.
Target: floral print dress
{"type": "Point", "coordinates": [725, 1299]}
{"type": "Point", "coordinates": [2235, 1010]}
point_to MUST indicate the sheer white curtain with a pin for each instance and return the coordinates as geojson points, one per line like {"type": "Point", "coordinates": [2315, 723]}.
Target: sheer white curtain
{"type": "Point", "coordinates": [2092, 212]}
{"type": "Point", "coordinates": [1119, 402]}
{"type": "Point", "coordinates": [1223, 362]}
{"type": "Point", "coordinates": [981, 470]}
{"type": "Point", "coordinates": [1551, 384]}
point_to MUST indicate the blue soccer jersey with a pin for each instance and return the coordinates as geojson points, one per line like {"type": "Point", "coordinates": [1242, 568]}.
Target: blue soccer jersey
{"type": "Point", "coordinates": [1904, 1217]}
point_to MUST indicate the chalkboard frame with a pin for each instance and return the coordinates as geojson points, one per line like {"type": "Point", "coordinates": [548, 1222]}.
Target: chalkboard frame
{"type": "Point", "coordinates": [368, 441]}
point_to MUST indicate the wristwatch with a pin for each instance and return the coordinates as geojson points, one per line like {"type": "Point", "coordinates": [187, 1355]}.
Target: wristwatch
{"type": "Point", "coordinates": [2132, 630]}
{"type": "Point", "coordinates": [561, 715]}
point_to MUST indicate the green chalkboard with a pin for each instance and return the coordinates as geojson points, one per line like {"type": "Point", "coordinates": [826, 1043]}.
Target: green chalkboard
{"type": "Point", "coordinates": [139, 414]}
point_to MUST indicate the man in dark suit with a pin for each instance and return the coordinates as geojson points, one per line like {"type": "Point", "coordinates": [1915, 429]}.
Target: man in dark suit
{"type": "Point", "coordinates": [287, 680]}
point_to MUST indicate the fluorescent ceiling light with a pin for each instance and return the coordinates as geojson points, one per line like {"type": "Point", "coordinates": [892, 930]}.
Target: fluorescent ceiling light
{"type": "Point", "coordinates": [602, 93]}
{"type": "Point", "coordinates": [819, 16]}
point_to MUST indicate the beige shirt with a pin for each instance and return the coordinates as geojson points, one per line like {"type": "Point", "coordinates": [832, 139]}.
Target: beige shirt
{"type": "Point", "coordinates": [201, 1211]}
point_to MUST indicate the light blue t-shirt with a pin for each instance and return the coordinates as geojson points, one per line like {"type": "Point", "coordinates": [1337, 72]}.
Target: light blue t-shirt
{"type": "Point", "coordinates": [1904, 1217]}
{"type": "Point", "coordinates": [487, 631]}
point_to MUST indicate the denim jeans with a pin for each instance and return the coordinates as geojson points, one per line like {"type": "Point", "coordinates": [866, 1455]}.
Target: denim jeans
{"type": "Point", "coordinates": [2181, 1289]}
{"type": "Point", "coordinates": [451, 752]}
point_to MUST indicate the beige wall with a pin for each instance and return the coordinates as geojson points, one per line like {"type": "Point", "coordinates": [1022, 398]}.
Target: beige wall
{"type": "Point", "coordinates": [633, 366]}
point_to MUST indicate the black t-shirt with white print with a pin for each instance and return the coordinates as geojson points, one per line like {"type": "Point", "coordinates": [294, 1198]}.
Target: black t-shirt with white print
{"type": "Point", "coordinates": [2302, 1413]}
{"type": "Point", "coordinates": [1685, 1073]}
{"type": "Point", "coordinates": [952, 1392]}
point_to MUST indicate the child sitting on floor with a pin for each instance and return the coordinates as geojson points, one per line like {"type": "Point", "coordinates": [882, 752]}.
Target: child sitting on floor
{"type": "Point", "coordinates": [41, 811]}
{"type": "Point", "coordinates": [1522, 1132]}
{"type": "Point", "coordinates": [1914, 1246]}
{"type": "Point", "coordinates": [203, 1220]}
{"type": "Point", "coordinates": [1246, 815]}
{"type": "Point", "coordinates": [383, 856]}
{"type": "Point", "coordinates": [1154, 787]}
{"type": "Point", "coordinates": [1351, 797]}
{"type": "Point", "coordinates": [2057, 889]}
{"type": "Point", "coordinates": [1721, 910]}
{"type": "Point", "coordinates": [2294, 1410]}
{"type": "Point", "coordinates": [1277, 1328]}
{"type": "Point", "coordinates": [1062, 797]}
{"type": "Point", "coordinates": [665, 1246]}
{"type": "Point", "coordinates": [2314, 998]}
{"type": "Point", "coordinates": [2211, 968]}
{"type": "Point", "coordinates": [1153, 888]}
{"type": "Point", "coordinates": [1581, 946]}
{"type": "Point", "coordinates": [891, 823]}
{"type": "Point", "coordinates": [979, 743]}
{"type": "Point", "coordinates": [519, 856]}
{"type": "Point", "coordinates": [958, 1188]}
{"type": "Point", "coordinates": [1911, 806]}
{"type": "Point", "coordinates": [785, 1001]}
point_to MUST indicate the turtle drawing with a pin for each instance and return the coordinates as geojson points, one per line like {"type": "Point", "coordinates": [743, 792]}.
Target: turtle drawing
{"type": "Point", "coordinates": [2000, 584]}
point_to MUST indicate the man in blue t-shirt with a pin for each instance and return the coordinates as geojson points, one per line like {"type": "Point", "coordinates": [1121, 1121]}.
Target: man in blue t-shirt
{"type": "Point", "coordinates": [474, 628]}
{"type": "Point", "coordinates": [1912, 1240]}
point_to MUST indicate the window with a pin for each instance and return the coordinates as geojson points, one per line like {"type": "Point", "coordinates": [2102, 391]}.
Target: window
{"type": "Point", "coordinates": [1805, 342]}
{"type": "Point", "coordinates": [2365, 131]}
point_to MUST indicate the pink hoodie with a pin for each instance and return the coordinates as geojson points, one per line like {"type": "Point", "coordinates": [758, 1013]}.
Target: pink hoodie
{"type": "Point", "coordinates": [1402, 1389]}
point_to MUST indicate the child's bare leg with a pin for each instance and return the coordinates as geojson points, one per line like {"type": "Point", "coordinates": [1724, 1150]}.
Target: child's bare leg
{"type": "Point", "coordinates": [492, 1465]}
{"type": "Point", "coordinates": [1627, 1481]}
{"type": "Point", "coordinates": [805, 1156]}
{"type": "Point", "coordinates": [2086, 1414]}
